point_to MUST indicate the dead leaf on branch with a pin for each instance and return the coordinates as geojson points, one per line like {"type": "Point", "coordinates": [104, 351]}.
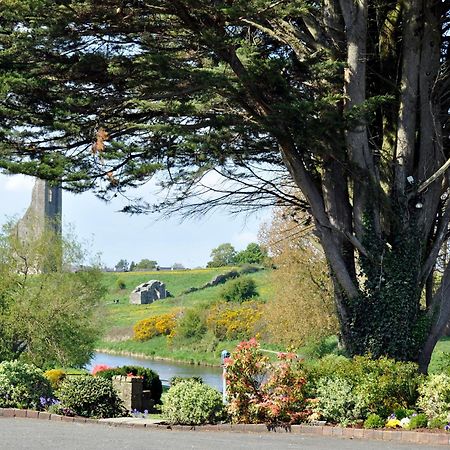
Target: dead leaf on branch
{"type": "Point", "coordinates": [101, 137]}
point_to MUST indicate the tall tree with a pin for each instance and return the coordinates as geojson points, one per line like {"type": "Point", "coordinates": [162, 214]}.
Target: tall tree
{"type": "Point", "coordinates": [223, 255]}
{"type": "Point", "coordinates": [252, 254]}
{"type": "Point", "coordinates": [301, 310]}
{"type": "Point", "coordinates": [345, 99]}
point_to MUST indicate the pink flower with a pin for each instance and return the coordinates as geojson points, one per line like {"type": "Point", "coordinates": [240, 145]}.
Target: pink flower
{"type": "Point", "coordinates": [100, 368]}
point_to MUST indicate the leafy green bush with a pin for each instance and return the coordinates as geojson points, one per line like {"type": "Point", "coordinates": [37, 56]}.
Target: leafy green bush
{"type": "Point", "coordinates": [120, 284]}
{"type": "Point", "coordinates": [401, 413]}
{"type": "Point", "coordinates": [418, 421]}
{"type": "Point", "coordinates": [22, 385]}
{"type": "Point", "coordinates": [191, 403]}
{"type": "Point", "coordinates": [192, 324]}
{"type": "Point", "coordinates": [337, 400]}
{"type": "Point", "coordinates": [378, 385]}
{"type": "Point", "coordinates": [438, 422]}
{"type": "Point", "coordinates": [151, 379]}
{"type": "Point", "coordinates": [374, 421]}
{"type": "Point", "coordinates": [239, 290]}
{"type": "Point", "coordinates": [434, 397]}
{"type": "Point", "coordinates": [90, 396]}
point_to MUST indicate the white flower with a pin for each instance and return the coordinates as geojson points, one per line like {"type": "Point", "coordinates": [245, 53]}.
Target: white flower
{"type": "Point", "coordinates": [405, 422]}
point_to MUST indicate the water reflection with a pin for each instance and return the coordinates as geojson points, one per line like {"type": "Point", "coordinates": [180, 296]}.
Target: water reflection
{"type": "Point", "coordinates": [165, 369]}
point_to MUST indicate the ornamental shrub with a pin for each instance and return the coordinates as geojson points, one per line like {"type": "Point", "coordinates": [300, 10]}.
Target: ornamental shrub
{"type": "Point", "coordinates": [263, 392]}
{"type": "Point", "coordinates": [55, 376]}
{"type": "Point", "coordinates": [434, 397]}
{"type": "Point", "coordinates": [235, 321]}
{"type": "Point", "coordinates": [22, 385]}
{"type": "Point", "coordinates": [90, 396]}
{"type": "Point", "coordinates": [163, 324]}
{"type": "Point", "coordinates": [150, 378]}
{"type": "Point", "coordinates": [239, 290]}
{"type": "Point", "coordinates": [374, 421]}
{"type": "Point", "coordinates": [378, 386]}
{"type": "Point", "coordinates": [337, 400]}
{"type": "Point", "coordinates": [418, 421]}
{"type": "Point", "coordinates": [191, 403]}
{"type": "Point", "coordinates": [438, 422]}
{"type": "Point", "coordinates": [401, 413]}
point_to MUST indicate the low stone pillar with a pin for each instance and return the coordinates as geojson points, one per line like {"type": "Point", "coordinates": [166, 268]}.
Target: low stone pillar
{"type": "Point", "coordinates": [130, 389]}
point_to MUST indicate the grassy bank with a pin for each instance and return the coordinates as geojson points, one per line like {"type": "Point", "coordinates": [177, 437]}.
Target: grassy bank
{"type": "Point", "coordinates": [121, 315]}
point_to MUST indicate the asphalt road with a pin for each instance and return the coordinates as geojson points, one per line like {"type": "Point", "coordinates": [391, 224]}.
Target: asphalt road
{"type": "Point", "coordinates": [21, 434]}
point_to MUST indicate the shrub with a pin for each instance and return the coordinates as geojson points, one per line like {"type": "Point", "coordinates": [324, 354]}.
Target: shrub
{"type": "Point", "coordinates": [259, 391]}
{"type": "Point", "coordinates": [163, 324]}
{"type": "Point", "coordinates": [434, 397]}
{"type": "Point", "coordinates": [374, 421]}
{"type": "Point", "coordinates": [100, 368]}
{"type": "Point", "coordinates": [150, 378]}
{"type": "Point", "coordinates": [191, 324]}
{"type": "Point", "coordinates": [191, 403]}
{"type": "Point", "coordinates": [239, 290]}
{"type": "Point", "coordinates": [90, 396]}
{"type": "Point", "coordinates": [249, 268]}
{"type": "Point", "coordinates": [418, 421]}
{"type": "Point", "coordinates": [176, 380]}
{"type": "Point", "coordinates": [120, 284]}
{"type": "Point", "coordinates": [377, 386]}
{"type": "Point", "coordinates": [438, 422]}
{"type": "Point", "coordinates": [401, 413]}
{"type": "Point", "coordinates": [231, 321]}
{"type": "Point", "coordinates": [22, 385]}
{"type": "Point", "coordinates": [337, 400]}
{"type": "Point", "coordinates": [55, 376]}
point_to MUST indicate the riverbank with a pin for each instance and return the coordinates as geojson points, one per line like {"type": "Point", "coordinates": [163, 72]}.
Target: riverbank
{"type": "Point", "coordinates": [154, 357]}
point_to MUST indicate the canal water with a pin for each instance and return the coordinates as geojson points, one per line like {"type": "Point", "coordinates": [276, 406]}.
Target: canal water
{"type": "Point", "coordinates": [165, 369]}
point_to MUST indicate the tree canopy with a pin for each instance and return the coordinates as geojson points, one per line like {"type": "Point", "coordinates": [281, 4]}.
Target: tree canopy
{"type": "Point", "coordinates": [222, 255]}
{"type": "Point", "coordinates": [51, 317]}
{"type": "Point", "coordinates": [345, 100]}
{"type": "Point", "coordinates": [146, 264]}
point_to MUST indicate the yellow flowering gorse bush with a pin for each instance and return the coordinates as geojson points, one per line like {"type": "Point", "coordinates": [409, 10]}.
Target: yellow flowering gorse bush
{"type": "Point", "coordinates": [163, 324]}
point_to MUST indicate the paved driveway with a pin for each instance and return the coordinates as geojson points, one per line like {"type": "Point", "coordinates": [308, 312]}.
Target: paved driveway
{"type": "Point", "coordinates": [21, 434]}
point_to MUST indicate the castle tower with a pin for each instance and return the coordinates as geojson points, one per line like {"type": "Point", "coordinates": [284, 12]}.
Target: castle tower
{"type": "Point", "coordinates": [44, 211]}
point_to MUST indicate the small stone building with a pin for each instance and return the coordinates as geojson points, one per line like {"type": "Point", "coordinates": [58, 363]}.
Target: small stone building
{"type": "Point", "coordinates": [148, 292]}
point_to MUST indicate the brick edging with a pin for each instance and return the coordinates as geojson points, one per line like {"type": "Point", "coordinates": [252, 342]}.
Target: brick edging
{"type": "Point", "coordinates": [416, 437]}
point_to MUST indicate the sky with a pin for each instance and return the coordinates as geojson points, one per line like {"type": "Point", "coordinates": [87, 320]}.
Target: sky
{"type": "Point", "coordinates": [116, 235]}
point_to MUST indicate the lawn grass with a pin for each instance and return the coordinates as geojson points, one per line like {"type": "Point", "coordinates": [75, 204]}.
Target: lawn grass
{"type": "Point", "coordinates": [440, 359]}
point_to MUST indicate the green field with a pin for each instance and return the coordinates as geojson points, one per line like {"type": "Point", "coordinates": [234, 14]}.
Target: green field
{"type": "Point", "coordinates": [121, 316]}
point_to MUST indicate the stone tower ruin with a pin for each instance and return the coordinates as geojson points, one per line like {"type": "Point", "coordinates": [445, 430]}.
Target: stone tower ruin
{"type": "Point", "coordinates": [44, 211]}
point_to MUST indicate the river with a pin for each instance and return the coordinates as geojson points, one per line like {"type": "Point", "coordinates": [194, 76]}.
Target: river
{"type": "Point", "coordinates": [165, 369]}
